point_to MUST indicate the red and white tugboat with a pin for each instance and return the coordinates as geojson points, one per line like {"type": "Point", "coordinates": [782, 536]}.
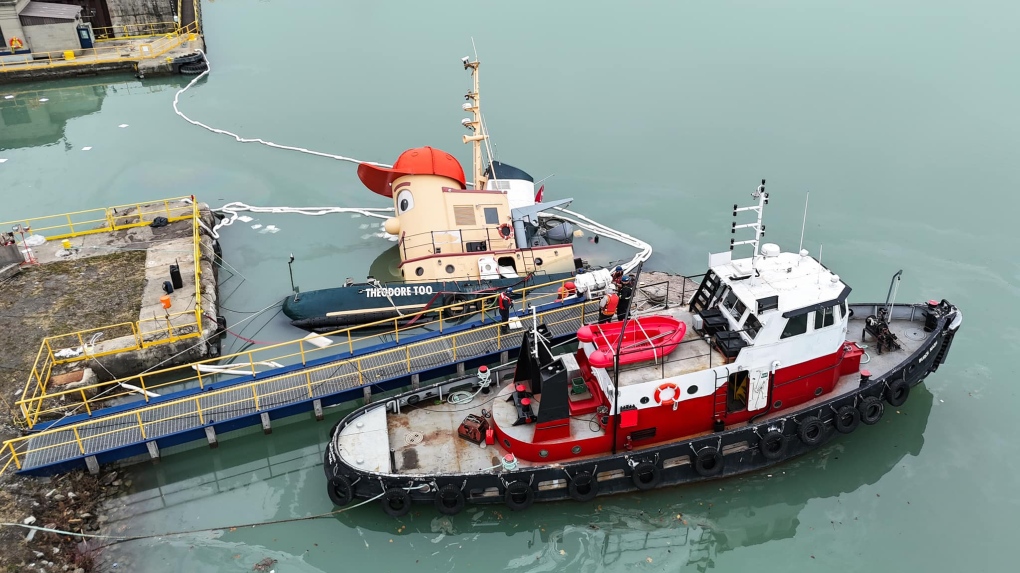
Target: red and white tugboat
{"type": "Point", "coordinates": [764, 364]}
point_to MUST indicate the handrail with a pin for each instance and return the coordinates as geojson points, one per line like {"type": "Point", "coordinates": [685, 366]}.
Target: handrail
{"type": "Point", "coordinates": [134, 31]}
{"type": "Point", "coordinates": [297, 349]}
{"type": "Point", "coordinates": [132, 421]}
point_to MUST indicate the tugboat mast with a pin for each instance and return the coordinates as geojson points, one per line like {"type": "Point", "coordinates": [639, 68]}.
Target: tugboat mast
{"type": "Point", "coordinates": [475, 124]}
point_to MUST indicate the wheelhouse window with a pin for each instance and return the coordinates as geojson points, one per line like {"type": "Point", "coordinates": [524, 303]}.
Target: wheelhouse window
{"type": "Point", "coordinates": [794, 326]}
{"type": "Point", "coordinates": [825, 317]}
{"type": "Point", "coordinates": [738, 309]}
{"type": "Point", "coordinates": [752, 326]}
{"type": "Point", "coordinates": [491, 216]}
{"type": "Point", "coordinates": [730, 300]}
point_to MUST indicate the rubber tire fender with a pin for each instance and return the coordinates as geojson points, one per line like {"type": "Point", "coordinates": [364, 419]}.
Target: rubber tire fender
{"type": "Point", "coordinates": [847, 419]}
{"type": "Point", "coordinates": [450, 492]}
{"type": "Point", "coordinates": [645, 469]}
{"type": "Point", "coordinates": [708, 462]}
{"type": "Point", "coordinates": [871, 409]}
{"type": "Point", "coordinates": [583, 487]}
{"type": "Point", "coordinates": [514, 491]}
{"type": "Point", "coordinates": [340, 490]}
{"type": "Point", "coordinates": [897, 392]}
{"type": "Point", "coordinates": [811, 431]}
{"type": "Point", "coordinates": [396, 502]}
{"type": "Point", "coordinates": [772, 445]}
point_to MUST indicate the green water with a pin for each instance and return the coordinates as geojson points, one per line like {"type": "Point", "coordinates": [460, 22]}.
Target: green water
{"type": "Point", "coordinates": [898, 118]}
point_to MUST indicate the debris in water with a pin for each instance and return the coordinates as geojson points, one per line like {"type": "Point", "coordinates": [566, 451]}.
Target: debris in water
{"type": "Point", "coordinates": [3, 160]}
{"type": "Point", "coordinates": [123, 125]}
{"type": "Point", "coordinates": [86, 148]}
{"type": "Point", "coordinates": [264, 565]}
{"type": "Point", "coordinates": [44, 99]}
{"type": "Point", "coordinates": [256, 226]}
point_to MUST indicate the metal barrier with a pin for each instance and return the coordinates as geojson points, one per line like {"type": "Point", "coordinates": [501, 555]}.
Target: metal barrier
{"type": "Point", "coordinates": [134, 31]}
{"type": "Point", "coordinates": [43, 403]}
{"type": "Point", "coordinates": [129, 424]}
{"type": "Point", "coordinates": [103, 54]}
{"type": "Point", "coordinates": [133, 335]}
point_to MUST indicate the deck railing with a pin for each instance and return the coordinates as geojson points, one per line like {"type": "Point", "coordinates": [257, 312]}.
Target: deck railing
{"type": "Point", "coordinates": [137, 425]}
{"type": "Point", "coordinates": [42, 402]}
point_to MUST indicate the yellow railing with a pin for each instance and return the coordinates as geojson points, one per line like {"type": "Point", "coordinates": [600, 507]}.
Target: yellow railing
{"type": "Point", "coordinates": [43, 403]}
{"type": "Point", "coordinates": [130, 336]}
{"type": "Point", "coordinates": [91, 221]}
{"type": "Point", "coordinates": [134, 31]}
{"type": "Point", "coordinates": [104, 54]}
{"type": "Point", "coordinates": [254, 394]}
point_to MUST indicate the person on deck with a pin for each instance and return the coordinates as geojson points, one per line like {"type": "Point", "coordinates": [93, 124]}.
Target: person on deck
{"type": "Point", "coordinates": [566, 290]}
{"type": "Point", "coordinates": [505, 304]}
{"type": "Point", "coordinates": [607, 306]}
{"type": "Point", "coordinates": [626, 292]}
{"type": "Point", "coordinates": [617, 275]}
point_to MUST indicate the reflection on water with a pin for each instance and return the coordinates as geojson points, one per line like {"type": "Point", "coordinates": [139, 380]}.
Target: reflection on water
{"type": "Point", "coordinates": [37, 114]}
{"type": "Point", "coordinates": [280, 477]}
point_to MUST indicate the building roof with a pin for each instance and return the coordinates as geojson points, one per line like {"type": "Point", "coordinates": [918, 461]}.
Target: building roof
{"type": "Point", "coordinates": [50, 10]}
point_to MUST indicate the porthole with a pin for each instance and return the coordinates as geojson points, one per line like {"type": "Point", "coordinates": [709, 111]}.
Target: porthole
{"type": "Point", "coordinates": [543, 453]}
{"type": "Point", "coordinates": [419, 271]}
{"type": "Point", "coordinates": [693, 389]}
{"type": "Point", "coordinates": [644, 400]}
{"type": "Point", "coordinates": [538, 262]}
{"type": "Point", "coordinates": [450, 269]}
{"type": "Point", "coordinates": [506, 443]}
{"type": "Point", "coordinates": [777, 404]}
{"type": "Point", "coordinates": [818, 391]}
{"type": "Point", "coordinates": [576, 449]}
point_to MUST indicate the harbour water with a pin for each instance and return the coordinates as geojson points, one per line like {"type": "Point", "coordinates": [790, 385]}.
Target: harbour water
{"type": "Point", "coordinates": [656, 117]}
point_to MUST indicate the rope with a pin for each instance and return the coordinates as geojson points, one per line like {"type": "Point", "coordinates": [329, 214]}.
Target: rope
{"type": "Point", "coordinates": [121, 539]}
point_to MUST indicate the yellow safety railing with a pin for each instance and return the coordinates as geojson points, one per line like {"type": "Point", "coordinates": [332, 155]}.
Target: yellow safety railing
{"type": "Point", "coordinates": [104, 220]}
{"type": "Point", "coordinates": [127, 336]}
{"type": "Point", "coordinates": [252, 395]}
{"type": "Point", "coordinates": [133, 31]}
{"type": "Point", "coordinates": [103, 54]}
{"type": "Point", "coordinates": [41, 402]}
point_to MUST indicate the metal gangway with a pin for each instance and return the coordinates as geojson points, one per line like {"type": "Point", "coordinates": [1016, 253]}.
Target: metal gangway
{"type": "Point", "coordinates": [319, 377]}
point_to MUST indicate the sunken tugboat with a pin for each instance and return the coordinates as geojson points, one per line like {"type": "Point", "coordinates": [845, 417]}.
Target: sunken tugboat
{"type": "Point", "coordinates": [764, 364]}
{"type": "Point", "coordinates": [456, 243]}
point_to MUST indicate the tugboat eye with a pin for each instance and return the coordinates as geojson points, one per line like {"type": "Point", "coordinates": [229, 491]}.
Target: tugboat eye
{"type": "Point", "coordinates": [405, 202]}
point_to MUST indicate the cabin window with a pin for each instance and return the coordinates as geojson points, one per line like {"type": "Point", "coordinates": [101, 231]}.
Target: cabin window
{"type": "Point", "coordinates": [752, 326]}
{"type": "Point", "coordinates": [730, 300]}
{"type": "Point", "coordinates": [738, 309]}
{"type": "Point", "coordinates": [794, 326]}
{"type": "Point", "coordinates": [825, 317]}
{"type": "Point", "coordinates": [842, 309]}
{"type": "Point", "coordinates": [491, 216]}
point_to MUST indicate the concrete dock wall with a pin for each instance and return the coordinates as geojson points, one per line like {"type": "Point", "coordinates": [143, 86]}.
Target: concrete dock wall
{"type": "Point", "coordinates": [127, 12]}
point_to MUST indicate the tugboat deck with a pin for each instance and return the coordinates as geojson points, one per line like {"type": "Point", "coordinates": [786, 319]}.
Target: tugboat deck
{"type": "Point", "coordinates": [424, 438]}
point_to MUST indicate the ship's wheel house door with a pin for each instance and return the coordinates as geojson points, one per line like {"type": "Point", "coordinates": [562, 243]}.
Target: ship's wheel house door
{"type": "Point", "coordinates": [758, 390]}
{"type": "Point", "coordinates": [737, 388]}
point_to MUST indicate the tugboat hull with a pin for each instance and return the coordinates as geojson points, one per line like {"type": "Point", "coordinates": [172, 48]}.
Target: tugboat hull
{"type": "Point", "coordinates": [766, 440]}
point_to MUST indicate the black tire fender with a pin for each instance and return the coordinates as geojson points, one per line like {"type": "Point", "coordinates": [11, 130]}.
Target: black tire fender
{"type": "Point", "coordinates": [871, 409]}
{"type": "Point", "coordinates": [450, 500]}
{"type": "Point", "coordinates": [645, 475]}
{"type": "Point", "coordinates": [847, 419]}
{"type": "Point", "coordinates": [772, 445]}
{"type": "Point", "coordinates": [396, 502]}
{"type": "Point", "coordinates": [340, 490]}
{"type": "Point", "coordinates": [583, 486]}
{"type": "Point", "coordinates": [811, 431]}
{"type": "Point", "coordinates": [897, 392]}
{"type": "Point", "coordinates": [519, 496]}
{"type": "Point", "coordinates": [708, 462]}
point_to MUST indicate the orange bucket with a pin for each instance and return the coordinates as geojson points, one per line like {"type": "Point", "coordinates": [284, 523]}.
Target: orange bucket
{"type": "Point", "coordinates": [165, 301]}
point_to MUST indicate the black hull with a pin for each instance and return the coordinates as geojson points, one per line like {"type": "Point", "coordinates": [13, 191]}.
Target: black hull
{"type": "Point", "coordinates": [740, 447]}
{"type": "Point", "coordinates": [310, 310]}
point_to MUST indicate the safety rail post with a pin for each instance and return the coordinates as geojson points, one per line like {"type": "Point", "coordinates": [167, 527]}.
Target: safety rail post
{"type": "Point", "coordinates": [350, 343]}
{"type": "Point", "coordinates": [408, 349]}
{"type": "Point", "coordinates": [308, 380]}
{"type": "Point", "coordinates": [251, 361]}
{"type": "Point", "coordinates": [361, 378]}
{"type": "Point", "coordinates": [255, 396]}
{"type": "Point", "coordinates": [396, 330]}
{"type": "Point", "coordinates": [301, 349]}
{"type": "Point", "coordinates": [440, 320]}
{"type": "Point", "coordinates": [201, 386]}
{"type": "Point", "coordinates": [145, 393]}
{"type": "Point", "coordinates": [166, 205]}
{"type": "Point", "coordinates": [198, 408]}
{"type": "Point", "coordinates": [141, 425]}
{"type": "Point", "coordinates": [70, 224]}
{"type": "Point", "coordinates": [453, 339]}
{"type": "Point", "coordinates": [85, 400]}
{"type": "Point", "coordinates": [14, 455]}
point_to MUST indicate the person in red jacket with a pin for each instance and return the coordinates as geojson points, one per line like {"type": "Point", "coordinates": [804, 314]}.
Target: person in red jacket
{"type": "Point", "coordinates": [505, 303]}
{"type": "Point", "coordinates": [607, 306]}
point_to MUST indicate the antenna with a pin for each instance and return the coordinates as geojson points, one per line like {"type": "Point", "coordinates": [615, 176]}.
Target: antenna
{"type": "Point", "coordinates": [475, 123]}
{"type": "Point", "coordinates": [804, 222]}
{"type": "Point", "coordinates": [759, 230]}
